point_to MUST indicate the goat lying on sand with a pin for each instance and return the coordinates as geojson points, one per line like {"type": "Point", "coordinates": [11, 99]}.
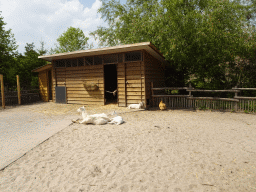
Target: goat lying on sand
{"type": "Point", "coordinates": [116, 120]}
{"type": "Point", "coordinates": [136, 106]}
{"type": "Point", "coordinates": [96, 119]}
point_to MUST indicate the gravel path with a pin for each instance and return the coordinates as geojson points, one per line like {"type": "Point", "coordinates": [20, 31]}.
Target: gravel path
{"type": "Point", "coordinates": [22, 129]}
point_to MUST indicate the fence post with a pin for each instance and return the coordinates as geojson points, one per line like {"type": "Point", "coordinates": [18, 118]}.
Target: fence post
{"type": "Point", "coordinates": [18, 89]}
{"type": "Point", "coordinates": [236, 94]}
{"type": "Point", "coordinates": [152, 93]}
{"type": "Point", "coordinates": [2, 90]}
{"type": "Point", "coordinates": [189, 102]}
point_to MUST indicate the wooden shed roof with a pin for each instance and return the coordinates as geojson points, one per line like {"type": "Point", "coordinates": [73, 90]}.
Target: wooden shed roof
{"type": "Point", "coordinates": [44, 67]}
{"type": "Point", "coordinates": [108, 50]}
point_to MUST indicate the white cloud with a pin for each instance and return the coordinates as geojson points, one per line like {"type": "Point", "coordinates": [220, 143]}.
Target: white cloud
{"type": "Point", "coordinates": [36, 20]}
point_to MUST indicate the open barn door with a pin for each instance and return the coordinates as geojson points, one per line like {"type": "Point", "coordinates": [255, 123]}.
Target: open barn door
{"type": "Point", "coordinates": [110, 79]}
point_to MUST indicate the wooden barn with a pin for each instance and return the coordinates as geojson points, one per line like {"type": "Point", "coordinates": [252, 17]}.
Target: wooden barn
{"type": "Point", "coordinates": [45, 81]}
{"type": "Point", "coordinates": [120, 74]}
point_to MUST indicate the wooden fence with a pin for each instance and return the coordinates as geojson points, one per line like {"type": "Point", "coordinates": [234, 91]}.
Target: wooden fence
{"type": "Point", "coordinates": [238, 103]}
{"type": "Point", "coordinates": [17, 97]}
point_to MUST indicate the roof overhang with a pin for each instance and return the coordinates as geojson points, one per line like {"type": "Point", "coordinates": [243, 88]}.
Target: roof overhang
{"type": "Point", "coordinates": [149, 47]}
{"type": "Point", "coordinates": [42, 68]}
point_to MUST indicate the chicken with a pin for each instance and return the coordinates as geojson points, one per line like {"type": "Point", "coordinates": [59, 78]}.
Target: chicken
{"type": "Point", "coordinates": [162, 105]}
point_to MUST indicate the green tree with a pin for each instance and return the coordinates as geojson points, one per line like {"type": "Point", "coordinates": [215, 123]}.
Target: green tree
{"type": "Point", "coordinates": [195, 35]}
{"type": "Point", "coordinates": [42, 50]}
{"type": "Point", "coordinates": [71, 40]}
{"type": "Point", "coordinates": [7, 51]}
{"type": "Point", "coordinates": [27, 62]}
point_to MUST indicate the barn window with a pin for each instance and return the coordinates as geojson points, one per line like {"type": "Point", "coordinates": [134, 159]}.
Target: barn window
{"type": "Point", "coordinates": [97, 60]}
{"type": "Point", "coordinates": [68, 62]}
{"type": "Point", "coordinates": [80, 61]}
{"type": "Point", "coordinates": [120, 58]}
{"type": "Point", "coordinates": [74, 62]}
{"type": "Point", "coordinates": [133, 56]}
{"type": "Point", "coordinates": [56, 63]}
{"type": "Point", "coordinates": [88, 60]}
{"type": "Point", "coordinates": [108, 59]}
{"type": "Point", "coordinates": [60, 63]}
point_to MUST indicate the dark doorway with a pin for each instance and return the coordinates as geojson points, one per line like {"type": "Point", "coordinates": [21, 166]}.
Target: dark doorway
{"type": "Point", "coordinates": [50, 84]}
{"type": "Point", "coordinates": [110, 77]}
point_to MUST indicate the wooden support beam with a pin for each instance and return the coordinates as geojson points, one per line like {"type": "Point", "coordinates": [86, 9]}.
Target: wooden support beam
{"type": "Point", "coordinates": [18, 89]}
{"type": "Point", "coordinates": [152, 93]}
{"type": "Point", "coordinates": [214, 98]}
{"type": "Point", "coordinates": [236, 94]}
{"type": "Point", "coordinates": [170, 95]}
{"type": "Point", "coordinates": [141, 82]}
{"type": "Point", "coordinates": [190, 95]}
{"type": "Point", "coordinates": [238, 97]}
{"type": "Point", "coordinates": [170, 88]}
{"type": "Point", "coordinates": [125, 84]}
{"type": "Point", "coordinates": [201, 90]}
{"type": "Point", "coordinates": [2, 90]}
{"type": "Point", "coordinates": [235, 88]}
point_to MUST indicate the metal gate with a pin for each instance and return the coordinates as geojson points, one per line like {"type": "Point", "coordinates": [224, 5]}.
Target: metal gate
{"type": "Point", "coordinates": [60, 94]}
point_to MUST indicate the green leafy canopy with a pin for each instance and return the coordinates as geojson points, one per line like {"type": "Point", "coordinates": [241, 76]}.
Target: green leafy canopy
{"type": "Point", "coordinates": [71, 40]}
{"type": "Point", "coordinates": [196, 36]}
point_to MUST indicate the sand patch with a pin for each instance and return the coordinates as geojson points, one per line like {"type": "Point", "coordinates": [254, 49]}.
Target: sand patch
{"type": "Point", "coordinates": [152, 151]}
{"type": "Point", "coordinates": [51, 108]}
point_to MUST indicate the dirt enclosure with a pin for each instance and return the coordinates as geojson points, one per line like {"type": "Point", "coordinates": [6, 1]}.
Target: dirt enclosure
{"type": "Point", "coordinates": [51, 108]}
{"type": "Point", "coordinates": [172, 151]}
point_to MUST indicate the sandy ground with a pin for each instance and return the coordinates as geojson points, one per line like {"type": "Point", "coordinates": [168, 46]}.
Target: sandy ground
{"type": "Point", "coordinates": [172, 151]}
{"type": "Point", "coordinates": [58, 109]}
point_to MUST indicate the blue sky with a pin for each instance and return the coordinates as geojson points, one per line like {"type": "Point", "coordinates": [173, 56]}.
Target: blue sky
{"type": "Point", "coordinates": [36, 20]}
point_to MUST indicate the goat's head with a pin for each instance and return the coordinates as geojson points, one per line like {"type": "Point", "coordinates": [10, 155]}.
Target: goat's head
{"type": "Point", "coordinates": [81, 109]}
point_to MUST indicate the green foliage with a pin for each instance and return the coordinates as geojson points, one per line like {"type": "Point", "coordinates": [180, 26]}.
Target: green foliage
{"type": "Point", "coordinates": [175, 91]}
{"type": "Point", "coordinates": [71, 40]}
{"type": "Point", "coordinates": [42, 50]}
{"type": "Point", "coordinates": [199, 37]}
{"type": "Point", "coordinates": [203, 108]}
{"type": "Point", "coordinates": [34, 82]}
{"type": "Point", "coordinates": [27, 63]}
{"type": "Point", "coordinates": [12, 63]}
{"type": "Point", "coordinates": [7, 51]}
{"type": "Point", "coordinates": [167, 91]}
{"type": "Point", "coordinates": [22, 66]}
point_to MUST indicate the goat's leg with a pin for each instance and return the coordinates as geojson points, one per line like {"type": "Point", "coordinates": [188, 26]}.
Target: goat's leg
{"type": "Point", "coordinates": [82, 121]}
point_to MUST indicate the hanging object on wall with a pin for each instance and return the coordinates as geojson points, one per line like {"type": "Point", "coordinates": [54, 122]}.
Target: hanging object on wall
{"type": "Point", "coordinates": [90, 86]}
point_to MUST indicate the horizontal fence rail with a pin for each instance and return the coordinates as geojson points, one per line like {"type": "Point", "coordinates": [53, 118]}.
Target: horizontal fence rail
{"type": "Point", "coordinates": [17, 97]}
{"type": "Point", "coordinates": [238, 103]}
{"type": "Point", "coordinates": [27, 96]}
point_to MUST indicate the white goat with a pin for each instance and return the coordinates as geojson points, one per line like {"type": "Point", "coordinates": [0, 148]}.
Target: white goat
{"type": "Point", "coordinates": [136, 106]}
{"type": "Point", "coordinates": [96, 119]}
{"type": "Point", "coordinates": [116, 120]}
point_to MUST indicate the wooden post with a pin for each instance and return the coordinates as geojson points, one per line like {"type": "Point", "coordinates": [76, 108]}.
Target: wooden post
{"type": "Point", "coordinates": [125, 84]}
{"type": "Point", "coordinates": [48, 87]}
{"type": "Point", "coordinates": [18, 89]}
{"type": "Point", "coordinates": [2, 90]}
{"type": "Point", "coordinates": [190, 101]}
{"type": "Point", "coordinates": [145, 82]}
{"type": "Point", "coordinates": [236, 94]}
{"type": "Point", "coordinates": [152, 93]}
